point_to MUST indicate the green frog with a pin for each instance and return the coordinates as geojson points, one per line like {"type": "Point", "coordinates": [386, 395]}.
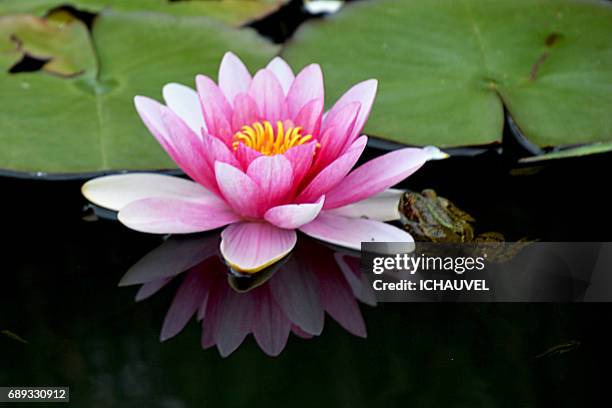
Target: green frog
{"type": "Point", "coordinates": [429, 217]}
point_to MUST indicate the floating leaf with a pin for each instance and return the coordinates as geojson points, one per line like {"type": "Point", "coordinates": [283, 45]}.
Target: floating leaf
{"type": "Point", "coordinates": [87, 123]}
{"type": "Point", "coordinates": [447, 68]}
{"type": "Point", "coordinates": [60, 41]}
{"type": "Point", "coordinates": [230, 11]}
{"type": "Point", "coordinates": [586, 150]}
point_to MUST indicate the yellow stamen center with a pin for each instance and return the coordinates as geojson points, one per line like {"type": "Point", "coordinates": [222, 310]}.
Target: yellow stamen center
{"type": "Point", "coordinates": [260, 136]}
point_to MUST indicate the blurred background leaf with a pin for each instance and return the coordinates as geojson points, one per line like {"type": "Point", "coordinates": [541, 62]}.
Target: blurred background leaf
{"type": "Point", "coordinates": [230, 11]}
{"type": "Point", "coordinates": [87, 122]}
{"type": "Point", "coordinates": [448, 68]}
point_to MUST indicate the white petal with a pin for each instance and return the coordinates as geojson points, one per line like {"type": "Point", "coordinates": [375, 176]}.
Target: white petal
{"type": "Point", "coordinates": [292, 216]}
{"type": "Point", "coordinates": [351, 232]}
{"type": "Point", "coordinates": [185, 103]}
{"type": "Point", "coordinates": [116, 191]}
{"type": "Point", "coordinates": [381, 207]}
{"type": "Point", "coordinates": [434, 153]}
{"type": "Point", "coordinates": [283, 73]}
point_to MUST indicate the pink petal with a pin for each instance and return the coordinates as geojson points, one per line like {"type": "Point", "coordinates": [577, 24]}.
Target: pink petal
{"type": "Point", "coordinates": [364, 93]}
{"type": "Point", "coordinates": [245, 112]}
{"type": "Point", "coordinates": [333, 174]}
{"type": "Point", "coordinates": [160, 215]}
{"type": "Point", "coordinates": [300, 333]}
{"type": "Point", "coordinates": [274, 176]}
{"type": "Point", "coordinates": [210, 311]}
{"type": "Point", "coordinates": [189, 296]}
{"type": "Point", "coordinates": [360, 285]}
{"type": "Point", "coordinates": [116, 191]}
{"type": "Point", "coordinates": [216, 109]}
{"type": "Point", "coordinates": [177, 254]}
{"type": "Point", "coordinates": [296, 291]}
{"type": "Point", "coordinates": [268, 94]}
{"type": "Point", "coordinates": [245, 155]}
{"type": "Point", "coordinates": [216, 151]}
{"type": "Point", "coordinates": [338, 300]}
{"type": "Point", "coordinates": [283, 73]}
{"type": "Point", "coordinates": [308, 85]}
{"type": "Point", "coordinates": [376, 176]}
{"type": "Point", "coordinates": [351, 232]}
{"type": "Point", "coordinates": [309, 117]}
{"type": "Point", "coordinates": [292, 216]}
{"type": "Point", "coordinates": [239, 190]}
{"type": "Point", "coordinates": [301, 158]}
{"type": "Point", "coordinates": [252, 246]}
{"type": "Point", "coordinates": [179, 141]}
{"type": "Point", "coordinates": [336, 133]}
{"type": "Point", "coordinates": [270, 326]}
{"type": "Point", "coordinates": [150, 288]}
{"type": "Point", "coordinates": [235, 319]}
{"type": "Point", "coordinates": [185, 103]}
{"type": "Point", "coordinates": [234, 77]}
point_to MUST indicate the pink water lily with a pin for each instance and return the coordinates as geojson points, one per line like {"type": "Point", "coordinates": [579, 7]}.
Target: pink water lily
{"type": "Point", "coordinates": [265, 161]}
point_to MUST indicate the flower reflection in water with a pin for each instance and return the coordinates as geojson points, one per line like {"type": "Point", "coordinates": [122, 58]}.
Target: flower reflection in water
{"type": "Point", "coordinates": [291, 296]}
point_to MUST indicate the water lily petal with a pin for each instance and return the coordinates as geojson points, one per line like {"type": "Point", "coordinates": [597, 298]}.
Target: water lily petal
{"type": "Point", "coordinates": [381, 207]}
{"type": "Point", "coordinates": [333, 174]}
{"type": "Point", "coordinates": [177, 254]}
{"type": "Point", "coordinates": [434, 153]}
{"type": "Point", "coordinates": [301, 158]}
{"type": "Point", "coordinates": [292, 216]}
{"type": "Point", "coordinates": [185, 103]}
{"type": "Point", "coordinates": [235, 318]}
{"type": "Point", "coordinates": [252, 246]}
{"type": "Point", "coordinates": [210, 311]}
{"type": "Point", "coordinates": [308, 85]}
{"type": "Point", "coordinates": [245, 112]}
{"type": "Point", "coordinates": [268, 94]}
{"type": "Point", "coordinates": [309, 117]}
{"type": "Point", "coordinates": [270, 326]}
{"type": "Point", "coordinates": [274, 176]}
{"type": "Point", "coordinates": [215, 108]}
{"type": "Point", "coordinates": [150, 288]}
{"type": "Point", "coordinates": [245, 155]}
{"type": "Point", "coordinates": [295, 329]}
{"type": "Point", "coordinates": [239, 190]}
{"type": "Point", "coordinates": [351, 232]}
{"type": "Point", "coordinates": [234, 77]}
{"type": "Point", "coordinates": [350, 266]}
{"type": "Point", "coordinates": [364, 93]}
{"type": "Point", "coordinates": [179, 141]}
{"type": "Point", "coordinates": [216, 151]}
{"type": "Point", "coordinates": [164, 215]}
{"type": "Point", "coordinates": [339, 302]}
{"type": "Point", "coordinates": [296, 291]}
{"type": "Point", "coordinates": [116, 191]}
{"type": "Point", "coordinates": [189, 296]}
{"type": "Point", "coordinates": [335, 134]}
{"type": "Point", "coordinates": [283, 72]}
{"type": "Point", "coordinates": [375, 176]}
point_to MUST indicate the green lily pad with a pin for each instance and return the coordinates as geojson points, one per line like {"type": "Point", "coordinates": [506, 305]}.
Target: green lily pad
{"type": "Point", "coordinates": [447, 68]}
{"type": "Point", "coordinates": [230, 11]}
{"type": "Point", "coordinates": [82, 119]}
{"type": "Point", "coordinates": [595, 148]}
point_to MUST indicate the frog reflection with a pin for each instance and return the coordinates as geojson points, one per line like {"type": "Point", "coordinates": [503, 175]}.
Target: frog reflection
{"type": "Point", "coordinates": [291, 296]}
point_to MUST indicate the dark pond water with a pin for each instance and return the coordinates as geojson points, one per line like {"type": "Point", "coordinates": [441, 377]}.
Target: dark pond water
{"type": "Point", "coordinates": [60, 293]}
